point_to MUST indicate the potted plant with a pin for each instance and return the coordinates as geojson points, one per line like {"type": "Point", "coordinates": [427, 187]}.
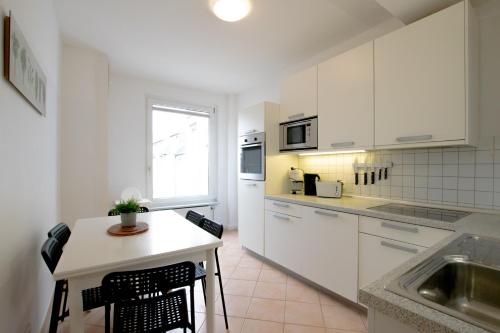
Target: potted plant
{"type": "Point", "coordinates": [128, 212]}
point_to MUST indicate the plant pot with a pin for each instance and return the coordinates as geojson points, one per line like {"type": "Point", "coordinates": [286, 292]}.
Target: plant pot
{"type": "Point", "coordinates": [128, 219]}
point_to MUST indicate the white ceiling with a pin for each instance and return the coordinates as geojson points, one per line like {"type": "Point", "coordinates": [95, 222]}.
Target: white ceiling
{"type": "Point", "coordinates": [409, 11]}
{"type": "Point", "coordinates": [182, 42]}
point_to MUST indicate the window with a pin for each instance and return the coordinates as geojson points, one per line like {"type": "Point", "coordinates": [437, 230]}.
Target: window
{"type": "Point", "coordinates": [181, 153]}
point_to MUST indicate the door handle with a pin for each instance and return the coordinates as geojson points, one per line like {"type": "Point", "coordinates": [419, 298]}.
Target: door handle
{"type": "Point", "coordinates": [281, 205]}
{"type": "Point", "coordinates": [320, 212]}
{"type": "Point", "coordinates": [342, 144]}
{"type": "Point", "coordinates": [424, 137]}
{"type": "Point", "coordinates": [399, 227]}
{"type": "Point", "coordinates": [399, 247]}
{"type": "Point", "coordinates": [295, 116]}
{"type": "Point", "coordinates": [282, 217]}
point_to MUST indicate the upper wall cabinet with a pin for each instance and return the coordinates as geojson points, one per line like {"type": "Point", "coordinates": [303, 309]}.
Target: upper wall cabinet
{"type": "Point", "coordinates": [299, 95]}
{"type": "Point", "coordinates": [252, 120]}
{"type": "Point", "coordinates": [345, 100]}
{"type": "Point", "coordinates": [426, 82]}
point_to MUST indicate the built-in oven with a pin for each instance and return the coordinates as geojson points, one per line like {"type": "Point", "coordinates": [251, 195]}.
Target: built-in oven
{"type": "Point", "coordinates": [299, 134]}
{"type": "Point", "coordinates": [253, 156]}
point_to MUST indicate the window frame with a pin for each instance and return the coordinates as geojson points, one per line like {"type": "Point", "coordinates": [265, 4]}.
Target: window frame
{"type": "Point", "coordinates": [212, 153]}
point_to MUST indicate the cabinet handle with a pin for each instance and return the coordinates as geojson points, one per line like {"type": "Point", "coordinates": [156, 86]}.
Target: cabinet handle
{"type": "Point", "coordinates": [281, 205]}
{"type": "Point", "coordinates": [320, 212]}
{"type": "Point", "coordinates": [414, 138]}
{"type": "Point", "coordinates": [342, 144]}
{"type": "Point", "coordinates": [295, 116]}
{"type": "Point", "coordinates": [281, 217]}
{"type": "Point", "coordinates": [252, 185]}
{"type": "Point", "coordinates": [250, 131]}
{"type": "Point", "coordinates": [399, 227]}
{"type": "Point", "coordinates": [399, 247]}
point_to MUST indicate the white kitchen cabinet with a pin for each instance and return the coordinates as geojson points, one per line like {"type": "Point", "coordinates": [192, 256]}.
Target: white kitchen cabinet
{"type": "Point", "coordinates": [331, 250]}
{"type": "Point", "coordinates": [299, 95]}
{"type": "Point", "coordinates": [251, 214]}
{"type": "Point", "coordinates": [426, 81]}
{"type": "Point", "coordinates": [378, 256]}
{"type": "Point", "coordinates": [345, 100]}
{"type": "Point", "coordinates": [285, 240]}
{"type": "Point", "coordinates": [252, 120]}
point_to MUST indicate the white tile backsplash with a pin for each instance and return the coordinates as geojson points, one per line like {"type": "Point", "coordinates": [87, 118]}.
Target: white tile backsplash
{"type": "Point", "coordinates": [462, 176]}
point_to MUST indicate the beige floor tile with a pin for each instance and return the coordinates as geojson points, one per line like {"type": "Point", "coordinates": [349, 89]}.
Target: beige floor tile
{"type": "Point", "coordinates": [342, 317]}
{"type": "Point", "coordinates": [235, 325]}
{"type": "Point", "coordinates": [328, 300]}
{"type": "Point", "coordinates": [239, 287]}
{"type": "Point", "coordinates": [227, 270]}
{"type": "Point", "coordinates": [266, 309]}
{"type": "Point", "coordinates": [229, 260]}
{"type": "Point", "coordinates": [272, 275]}
{"type": "Point", "coordinates": [95, 317]}
{"type": "Point", "coordinates": [259, 326]}
{"type": "Point", "coordinates": [94, 329]}
{"type": "Point", "coordinates": [235, 305]}
{"type": "Point", "coordinates": [199, 302]}
{"type": "Point", "coordinates": [303, 314]}
{"type": "Point", "coordinates": [364, 318]}
{"type": "Point", "coordinates": [270, 290]}
{"type": "Point", "coordinates": [300, 292]}
{"type": "Point", "coordinates": [250, 262]}
{"type": "Point", "coordinates": [243, 273]}
{"type": "Point", "coordinates": [291, 328]}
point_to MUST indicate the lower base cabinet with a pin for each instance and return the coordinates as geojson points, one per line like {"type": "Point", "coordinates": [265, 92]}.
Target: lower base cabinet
{"type": "Point", "coordinates": [378, 255]}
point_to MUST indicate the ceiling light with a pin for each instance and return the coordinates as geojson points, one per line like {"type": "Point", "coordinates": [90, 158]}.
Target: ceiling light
{"type": "Point", "coordinates": [231, 10]}
{"type": "Point", "coordinates": [333, 152]}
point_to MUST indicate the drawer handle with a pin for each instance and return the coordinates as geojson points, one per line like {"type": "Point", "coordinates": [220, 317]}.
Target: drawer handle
{"type": "Point", "coordinates": [400, 227]}
{"type": "Point", "coordinates": [399, 247]}
{"type": "Point", "coordinates": [320, 212]}
{"type": "Point", "coordinates": [281, 205]}
{"type": "Point", "coordinates": [295, 116]}
{"type": "Point", "coordinates": [414, 138]}
{"type": "Point", "coordinates": [281, 217]}
{"type": "Point", "coordinates": [252, 185]}
{"type": "Point", "coordinates": [342, 144]}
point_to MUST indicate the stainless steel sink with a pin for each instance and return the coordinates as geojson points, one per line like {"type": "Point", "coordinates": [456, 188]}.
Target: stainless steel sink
{"type": "Point", "coordinates": [462, 280]}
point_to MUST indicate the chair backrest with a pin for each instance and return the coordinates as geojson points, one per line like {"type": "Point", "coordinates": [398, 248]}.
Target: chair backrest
{"type": "Point", "coordinates": [60, 232]}
{"type": "Point", "coordinates": [114, 212]}
{"type": "Point", "coordinates": [148, 282]}
{"type": "Point", "coordinates": [212, 227]}
{"type": "Point", "coordinates": [194, 217]}
{"type": "Point", "coordinates": [51, 253]}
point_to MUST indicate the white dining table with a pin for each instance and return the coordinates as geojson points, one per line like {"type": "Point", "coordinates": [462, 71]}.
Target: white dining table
{"type": "Point", "coordinates": [91, 253]}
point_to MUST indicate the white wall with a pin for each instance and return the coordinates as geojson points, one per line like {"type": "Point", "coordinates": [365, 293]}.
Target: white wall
{"type": "Point", "coordinates": [84, 103]}
{"type": "Point", "coordinates": [127, 133]}
{"type": "Point", "coordinates": [29, 170]}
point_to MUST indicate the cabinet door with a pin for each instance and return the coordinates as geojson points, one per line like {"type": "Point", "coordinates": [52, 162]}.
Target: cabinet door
{"type": "Point", "coordinates": [251, 215]}
{"type": "Point", "coordinates": [345, 100]}
{"type": "Point", "coordinates": [299, 95]}
{"type": "Point", "coordinates": [420, 81]}
{"type": "Point", "coordinates": [284, 239]}
{"type": "Point", "coordinates": [331, 250]}
{"type": "Point", "coordinates": [252, 120]}
{"type": "Point", "coordinates": [378, 256]}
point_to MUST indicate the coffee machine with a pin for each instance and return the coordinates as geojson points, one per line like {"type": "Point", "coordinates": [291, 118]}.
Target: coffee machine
{"type": "Point", "coordinates": [296, 180]}
{"type": "Point", "coordinates": [310, 183]}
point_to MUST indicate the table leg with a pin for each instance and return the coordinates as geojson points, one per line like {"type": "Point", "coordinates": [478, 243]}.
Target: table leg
{"type": "Point", "coordinates": [75, 306]}
{"type": "Point", "coordinates": [210, 291]}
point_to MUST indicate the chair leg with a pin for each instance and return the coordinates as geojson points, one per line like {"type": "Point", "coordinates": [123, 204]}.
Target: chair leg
{"type": "Point", "coordinates": [107, 319]}
{"type": "Point", "coordinates": [56, 306]}
{"type": "Point", "coordinates": [204, 287]}
{"type": "Point", "coordinates": [221, 289]}
{"type": "Point", "coordinates": [191, 299]}
{"type": "Point", "coordinates": [64, 312]}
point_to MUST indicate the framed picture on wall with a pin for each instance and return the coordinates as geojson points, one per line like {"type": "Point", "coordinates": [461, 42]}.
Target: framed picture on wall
{"type": "Point", "coordinates": [21, 67]}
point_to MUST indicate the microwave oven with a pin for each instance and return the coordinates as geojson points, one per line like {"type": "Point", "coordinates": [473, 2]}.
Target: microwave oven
{"type": "Point", "coordinates": [299, 134]}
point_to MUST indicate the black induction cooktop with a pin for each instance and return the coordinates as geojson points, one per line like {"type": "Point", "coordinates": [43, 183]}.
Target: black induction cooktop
{"type": "Point", "coordinates": [444, 215]}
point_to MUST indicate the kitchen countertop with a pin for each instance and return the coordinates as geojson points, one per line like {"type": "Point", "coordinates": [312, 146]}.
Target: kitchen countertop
{"type": "Point", "coordinates": [359, 206]}
{"type": "Point", "coordinates": [414, 314]}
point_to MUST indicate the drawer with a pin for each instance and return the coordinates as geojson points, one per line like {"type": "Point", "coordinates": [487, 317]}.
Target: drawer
{"type": "Point", "coordinates": [404, 232]}
{"type": "Point", "coordinates": [284, 208]}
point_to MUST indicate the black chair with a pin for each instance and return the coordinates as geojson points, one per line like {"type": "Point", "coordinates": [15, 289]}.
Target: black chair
{"type": "Point", "coordinates": [201, 274]}
{"type": "Point", "coordinates": [92, 298]}
{"type": "Point", "coordinates": [145, 300]}
{"type": "Point", "coordinates": [60, 232]}
{"type": "Point", "coordinates": [194, 217]}
{"type": "Point", "coordinates": [114, 212]}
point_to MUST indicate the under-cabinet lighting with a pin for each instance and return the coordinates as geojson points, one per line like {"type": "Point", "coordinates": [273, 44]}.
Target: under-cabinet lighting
{"type": "Point", "coordinates": [333, 152]}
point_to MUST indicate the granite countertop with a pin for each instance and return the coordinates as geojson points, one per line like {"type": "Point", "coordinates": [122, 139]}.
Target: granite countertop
{"type": "Point", "coordinates": [414, 314]}
{"type": "Point", "coordinates": [359, 206]}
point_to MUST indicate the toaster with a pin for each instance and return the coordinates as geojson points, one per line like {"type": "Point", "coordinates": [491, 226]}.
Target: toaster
{"type": "Point", "coordinates": [327, 189]}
